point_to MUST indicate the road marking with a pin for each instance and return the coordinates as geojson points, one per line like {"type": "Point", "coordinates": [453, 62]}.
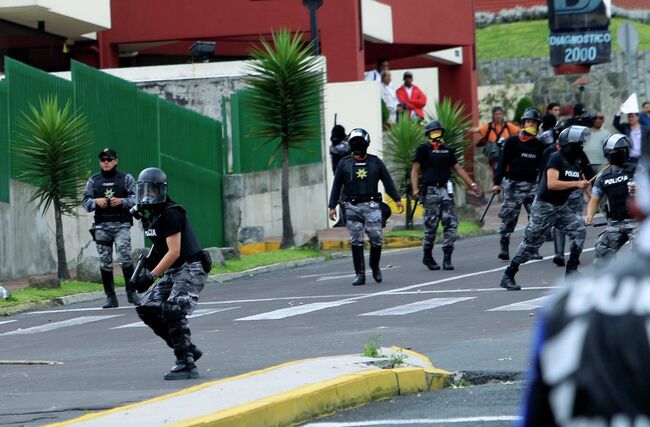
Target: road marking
{"type": "Point", "coordinates": [336, 276]}
{"type": "Point", "coordinates": [295, 311]}
{"type": "Point", "coordinates": [6, 321]}
{"type": "Point", "coordinates": [240, 301]}
{"type": "Point", "coordinates": [455, 291]}
{"type": "Point", "coordinates": [57, 325]}
{"type": "Point", "coordinates": [197, 313]}
{"type": "Point", "coordinates": [71, 310]}
{"type": "Point", "coordinates": [523, 305]}
{"type": "Point", "coordinates": [429, 421]}
{"type": "Point", "coordinates": [416, 306]}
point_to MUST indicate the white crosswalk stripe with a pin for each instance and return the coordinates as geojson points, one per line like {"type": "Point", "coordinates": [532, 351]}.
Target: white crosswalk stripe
{"type": "Point", "coordinates": [197, 313]}
{"type": "Point", "coordinates": [523, 305]}
{"type": "Point", "coordinates": [57, 325]}
{"type": "Point", "coordinates": [414, 307]}
{"type": "Point", "coordinates": [6, 321]}
{"type": "Point", "coordinates": [295, 311]}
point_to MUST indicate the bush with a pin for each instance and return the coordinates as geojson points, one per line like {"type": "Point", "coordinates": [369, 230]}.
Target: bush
{"type": "Point", "coordinates": [522, 105]}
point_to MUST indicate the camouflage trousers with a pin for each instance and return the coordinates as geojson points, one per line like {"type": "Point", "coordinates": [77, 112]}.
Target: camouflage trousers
{"type": "Point", "coordinates": [439, 207]}
{"type": "Point", "coordinates": [179, 286]}
{"type": "Point", "coordinates": [364, 217]}
{"type": "Point", "coordinates": [107, 234]}
{"type": "Point", "coordinates": [611, 239]}
{"type": "Point", "coordinates": [517, 194]}
{"type": "Point", "coordinates": [576, 201]}
{"type": "Point", "coordinates": [544, 215]}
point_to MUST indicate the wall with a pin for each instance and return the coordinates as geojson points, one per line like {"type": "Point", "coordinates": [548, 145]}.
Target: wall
{"type": "Point", "coordinates": [254, 199]}
{"type": "Point", "coordinates": [27, 240]}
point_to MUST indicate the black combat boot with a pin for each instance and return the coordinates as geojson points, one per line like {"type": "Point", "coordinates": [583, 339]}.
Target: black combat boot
{"type": "Point", "coordinates": [184, 369]}
{"type": "Point", "coordinates": [559, 241]}
{"type": "Point", "coordinates": [536, 255]}
{"type": "Point", "coordinates": [428, 259]}
{"type": "Point", "coordinates": [131, 295]}
{"type": "Point", "coordinates": [446, 261]}
{"type": "Point", "coordinates": [505, 251]}
{"type": "Point", "coordinates": [109, 289]}
{"type": "Point", "coordinates": [359, 265]}
{"type": "Point", "coordinates": [375, 256]}
{"type": "Point", "coordinates": [508, 279]}
{"type": "Point", "coordinates": [572, 264]}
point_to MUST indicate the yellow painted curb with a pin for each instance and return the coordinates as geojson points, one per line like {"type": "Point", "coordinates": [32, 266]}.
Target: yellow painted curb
{"type": "Point", "coordinates": [257, 248]}
{"type": "Point", "coordinates": [389, 242]}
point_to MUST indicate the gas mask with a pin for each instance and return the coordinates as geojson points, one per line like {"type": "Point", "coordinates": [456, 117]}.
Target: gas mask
{"type": "Point", "coordinates": [571, 152]}
{"type": "Point", "coordinates": [619, 157]}
{"type": "Point", "coordinates": [435, 136]}
{"type": "Point", "coordinates": [358, 147]}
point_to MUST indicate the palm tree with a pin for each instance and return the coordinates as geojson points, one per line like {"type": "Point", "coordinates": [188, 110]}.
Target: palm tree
{"type": "Point", "coordinates": [402, 139]}
{"type": "Point", "coordinates": [286, 85]}
{"type": "Point", "coordinates": [52, 144]}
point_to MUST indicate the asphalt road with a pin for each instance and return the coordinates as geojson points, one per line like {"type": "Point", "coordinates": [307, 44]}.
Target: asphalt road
{"type": "Point", "coordinates": [461, 319]}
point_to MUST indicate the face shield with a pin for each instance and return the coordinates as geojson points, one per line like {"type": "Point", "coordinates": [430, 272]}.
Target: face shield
{"type": "Point", "coordinates": [150, 193]}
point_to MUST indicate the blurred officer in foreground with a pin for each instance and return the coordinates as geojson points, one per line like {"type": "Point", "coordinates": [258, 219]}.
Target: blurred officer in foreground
{"type": "Point", "coordinates": [357, 176]}
{"type": "Point", "coordinates": [591, 350]}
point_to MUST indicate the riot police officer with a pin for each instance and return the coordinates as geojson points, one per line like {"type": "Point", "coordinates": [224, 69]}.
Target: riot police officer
{"type": "Point", "coordinates": [561, 177]}
{"type": "Point", "coordinates": [435, 161]}
{"type": "Point", "coordinates": [110, 194]}
{"type": "Point", "coordinates": [613, 184]}
{"type": "Point", "coordinates": [180, 263]}
{"type": "Point", "coordinates": [339, 150]}
{"type": "Point", "coordinates": [357, 176]}
{"type": "Point", "coordinates": [520, 162]}
{"type": "Point", "coordinates": [591, 352]}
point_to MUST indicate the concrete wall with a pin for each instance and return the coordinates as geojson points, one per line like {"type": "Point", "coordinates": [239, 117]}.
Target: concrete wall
{"type": "Point", "coordinates": [27, 240]}
{"type": "Point", "coordinates": [254, 199]}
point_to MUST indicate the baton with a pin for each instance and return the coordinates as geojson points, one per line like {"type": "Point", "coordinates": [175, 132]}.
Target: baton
{"type": "Point", "coordinates": [140, 265]}
{"type": "Point", "coordinates": [480, 221]}
{"type": "Point", "coordinates": [599, 173]}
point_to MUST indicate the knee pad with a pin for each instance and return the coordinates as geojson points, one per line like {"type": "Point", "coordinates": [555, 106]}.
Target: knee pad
{"type": "Point", "coordinates": [172, 312]}
{"type": "Point", "coordinates": [148, 312]}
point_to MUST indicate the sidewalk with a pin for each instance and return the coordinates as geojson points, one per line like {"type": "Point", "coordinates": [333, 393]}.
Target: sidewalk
{"type": "Point", "coordinates": [281, 395]}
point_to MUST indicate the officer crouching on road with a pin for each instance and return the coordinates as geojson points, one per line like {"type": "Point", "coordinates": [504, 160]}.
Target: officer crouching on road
{"type": "Point", "coordinates": [436, 161]}
{"type": "Point", "coordinates": [550, 208]}
{"type": "Point", "coordinates": [613, 184]}
{"type": "Point", "coordinates": [520, 162]}
{"type": "Point", "coordinates": [110, 194]}
{"type": "Point", "coordinates": [357, 176]}
{"type": "Point", "coordinates": [180, 263]}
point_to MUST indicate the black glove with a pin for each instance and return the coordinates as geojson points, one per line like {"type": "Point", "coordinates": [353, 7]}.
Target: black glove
{"type": "Point", "coordinates": [143, 282]}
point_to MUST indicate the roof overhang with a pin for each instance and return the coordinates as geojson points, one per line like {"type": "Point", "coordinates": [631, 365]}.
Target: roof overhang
{"type": "Point", "coordinates": [377, 21]}
{"type": "Point", "coordinates": [453, 56]}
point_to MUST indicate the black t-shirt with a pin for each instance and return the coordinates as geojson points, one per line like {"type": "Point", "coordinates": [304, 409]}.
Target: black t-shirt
{"type": "Point", "coordinates": [520, 161]}
{"type": "Point", "coordinates": [568, 172]}
{"type": "Point", "coordinates": [173, 220]}
{"type": "Point", "coordinates": [436, 165]}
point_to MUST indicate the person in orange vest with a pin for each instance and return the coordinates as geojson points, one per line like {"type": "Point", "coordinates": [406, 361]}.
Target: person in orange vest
{"type": "Point", "coordinates": [494, 134]}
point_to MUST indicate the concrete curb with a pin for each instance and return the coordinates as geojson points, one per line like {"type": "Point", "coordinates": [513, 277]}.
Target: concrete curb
{"type": "Point", "coordinates": [219, 278]}
{"type": "Point", "coordinates": [292, 406]}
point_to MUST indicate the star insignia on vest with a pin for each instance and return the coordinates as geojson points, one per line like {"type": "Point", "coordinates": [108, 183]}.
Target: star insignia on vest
{"type": "Point", "coordinates": [108, 194]}
{"type": "Point", "coordinates": [362, 174]}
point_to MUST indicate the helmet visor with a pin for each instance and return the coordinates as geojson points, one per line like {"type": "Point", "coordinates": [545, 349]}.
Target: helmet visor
{"type": "Point", "coordinates": [150, 193]}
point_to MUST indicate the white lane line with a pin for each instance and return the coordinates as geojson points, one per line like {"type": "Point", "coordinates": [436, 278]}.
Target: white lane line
{"type": "Point", "coordinates": [429, 421]}
{"type": "Point", "coordinates": [295, 311]}
{"type": "Point", "coordinates": [523, 305]}
{"type": "Point", "coordinates": [72, 310]}
{"type": "Point", "coordinates": [197, 313]}
{"type": "Point", "coordinates": [336, 276]}
{"type": "Point", "coordinates": [456, 291]}
{"type": "Point", "coordinates": [57, 325]}
{"type": "Point", "coordinates": [416, 306]}
{"type": "Point", "coordinates": [241, 301]}
{"type": "Point", "coordinates": [6, 321]}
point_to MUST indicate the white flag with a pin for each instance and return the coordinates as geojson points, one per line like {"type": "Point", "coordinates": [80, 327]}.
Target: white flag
{"type": "Point", "coordinates": [631, 105]}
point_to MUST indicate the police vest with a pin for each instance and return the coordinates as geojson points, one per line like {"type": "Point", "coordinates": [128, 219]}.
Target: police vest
{"type": "Point", "coordinates": [363, 176]}
{"type": "Point", "coordinates": [614, 185]}
{"type": "Point", "coordinates": [108, 187]}
{"type": "Point", "coordinates": [190, 247]}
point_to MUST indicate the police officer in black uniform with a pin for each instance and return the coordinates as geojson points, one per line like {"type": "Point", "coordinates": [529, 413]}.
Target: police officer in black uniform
{"type": "Point", "coordinates": [180, 263]}
{"type": "Point", "coordinates": [435, 161]}
{"type": "Point", "coordinates": [520, 162]}
{"type": "Point", "coordinates": [591, 351]}
{"type": "Point", "coordinates": [110, 194]}
{"type": "Point", "coordinates": [561, 177]}
{"type": "Point", "coordinates": [338, 151]}
{"type": "Point", "coordinates": [358, 176]}
{"type": "Point", "coordinates": [612, 183]}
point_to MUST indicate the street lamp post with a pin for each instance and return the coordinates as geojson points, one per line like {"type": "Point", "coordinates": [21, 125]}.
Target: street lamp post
{"type": "Point", "coordinates": [313, 6]}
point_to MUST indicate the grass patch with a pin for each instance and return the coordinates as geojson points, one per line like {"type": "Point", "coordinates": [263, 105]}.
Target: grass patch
{"type": "Point", "coordinates": [464, 228]}
{"type": "Point", "coordinates": [68, 287]}
{"type": "Point", "coordinates": [247, 262]}
{"type": "Point", "coordinates": [530, 39]}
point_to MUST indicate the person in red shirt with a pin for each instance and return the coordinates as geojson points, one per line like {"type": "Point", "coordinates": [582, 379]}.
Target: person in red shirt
{"type": "Point", "coordinates": [411, 97]}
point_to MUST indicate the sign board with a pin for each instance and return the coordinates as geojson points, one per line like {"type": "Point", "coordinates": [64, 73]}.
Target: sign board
{"type": "Point", "coordinates": [579, 32]}
{"type": "Point", "coordinates": [628, 37]}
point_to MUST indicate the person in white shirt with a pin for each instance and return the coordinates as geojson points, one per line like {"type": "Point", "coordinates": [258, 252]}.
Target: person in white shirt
{"type": "Point", "coordinates": [375, 75]}
{"type": "Point", "coordinates": [389, 96]}
{"type": "Point", "coordinates": [593, 147]}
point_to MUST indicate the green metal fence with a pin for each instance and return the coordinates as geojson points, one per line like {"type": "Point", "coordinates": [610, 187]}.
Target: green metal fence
{"type": "Point", "coordinates": [252, 155]}
{"type": "Point", "coordinates": [5, 165]}
{"type": "Point", "coordinates": [144, 129]}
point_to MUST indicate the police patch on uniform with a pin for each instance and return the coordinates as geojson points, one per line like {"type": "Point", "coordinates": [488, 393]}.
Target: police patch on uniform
{"type": "Point", "coordinates": [362, 174]}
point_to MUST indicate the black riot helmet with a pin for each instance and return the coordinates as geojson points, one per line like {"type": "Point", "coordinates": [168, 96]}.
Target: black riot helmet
{"type": "Point", "coordinates": [616, 148]}
{"type": "Point", "coordinates": [433, 125]}
{"type": "Point", "coordinates": [574, 135]}
{"type": "Point", "coordinates": [151, 187]}
{"type": "Point", "coordinates": [532, 113]}
{"type": "Point", "coordinates": [359, 141]}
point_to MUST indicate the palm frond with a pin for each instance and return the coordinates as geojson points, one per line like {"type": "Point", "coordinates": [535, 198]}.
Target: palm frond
{"type": "Point", "coordinates": [402, 139]}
